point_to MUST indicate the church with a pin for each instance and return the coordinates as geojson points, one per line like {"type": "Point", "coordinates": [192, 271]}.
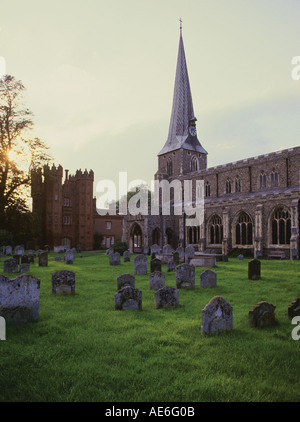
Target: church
{"type": "Point", "coordinates": [251, 204]}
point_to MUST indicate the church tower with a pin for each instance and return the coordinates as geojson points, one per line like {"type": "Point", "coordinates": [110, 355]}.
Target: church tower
{"type": "Point", "coordinates": [182, 153]}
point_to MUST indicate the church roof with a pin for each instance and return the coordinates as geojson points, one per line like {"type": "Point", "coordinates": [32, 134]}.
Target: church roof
{"type": "Point", "coordinates": [182, 110]}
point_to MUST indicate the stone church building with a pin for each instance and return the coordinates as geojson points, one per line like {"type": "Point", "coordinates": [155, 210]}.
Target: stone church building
{"type": "Point", "coordinates": [251, 204]}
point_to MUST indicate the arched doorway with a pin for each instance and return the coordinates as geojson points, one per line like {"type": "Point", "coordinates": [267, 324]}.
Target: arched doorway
{"type": "Point", "coordinates": [170, 237]}
{"type": "Point", "coordinates": [156, 237]}
{"type": "Point", "coordinates": [136, 238]}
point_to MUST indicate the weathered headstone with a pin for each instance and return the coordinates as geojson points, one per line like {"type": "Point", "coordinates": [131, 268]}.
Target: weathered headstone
{"type": "Point", "coordinates": [25, 267]}
{"type": "Point", "coordinates": [176, 258]}
{"type": "Point", "coordinates": [166, 297]}
{"type": "Point", "coordinates": [8, 250]}
{"type": "Point", "coordinates": [146, 250]}
{"type": "Point", "coordinates": [185, 276]}
{"type": "Point", "coordinates": [140, 264]}
{"type": "Point", "coordinates": [63, 282]}
{"type": "Point", "coordinates": [254, 269]}
{"type": "Point", "coordinates": [155, 249]}
{"type": "Point", "coordinates": [262, 314]}
{"type": "Point", "coordinates": [69, 256]}
{"type": "Point", "coordinates": [282, 256]}
{"type": "Point", "coordinates": [180, 252]}
{"type": "Point", "coordinates": [128, 298]}
{"type": "Point", "coordinates": [155, 265]}
{"type": "Point", "coordinates": [241, 257]}
{"type": "Point", "coordinates": [19, 298]}
{"type": "Point", "coordinates": [39, 251]}
{"type": "Point", "coordinates": [43, 259]}
{"type": "Point", "coordinates": [126, 256]}
{"type": "Point", "coordinates": [208, 278]}
{"type": "Point", "coordinates": [10, 266]}
{"type": "Point", "coordinates": [258, 254]}
{"type": "Point", "coordinates": [114, 259]}
{"type": "Point", "coordinates": [19, 250]}
{"type": "Point", "coordinates": [216, 316]}
{"type": "Point", "coordinates": [167, 249]}
{"type": "Point", "coordinates": [125, 280]}
{"type": "Point", "coordinates": [189, 253]}
{"type": "Point", "coordinates": [57, 259]}
{"type": "Point", "coordinates": [171, 266]}
{"type": "Point", "coordinates": [294, 308]}
{"type": "Point", "coordinates": [157, 280]}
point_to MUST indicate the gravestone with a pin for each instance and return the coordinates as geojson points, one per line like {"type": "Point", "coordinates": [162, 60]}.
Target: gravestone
{"type": "Point", "coordinates": [10, 266]}
{"type": "Point", "coordinates": [57, 259]}
{"type": "Point", "coordinates": [24, 259]}
{"type": "Point", "coordinates": [167, 249]}
{"type": "Point", "coordinates": [19, 250]}
{"type": "Point", "coordinates": [294, 308]}
{"type": "Point", "coordinates": [39, 251]}
{"type": "Point", "coordinates": [128, 298]}
{"type": "Point", "coordinates": [114, 259]}
{"type": "Point", "coordinates": [294, 254]}
{"type": "Point", "coordinates": [262, 315]}
{"type": "Point", "coordinates": [8, 250]}
{"type": "Point", "coordinates": [69, 256]}
{"type": "Point", "coordinates": [155, 265]}
{"type": "Point", "coordinates": [208, 278]}
{"type": "Point", "coordinates": [176, 258]}
{"type": "Point", "coordinates": [254, 269]}
{"type": "Point", "coordinates": [166, 297]}
{"type": "Point", "coordinates": [30, 259]}
{"type": "Point", "coordinates": [216, 316]}
{"type": "Point", "coordinates": [180, 252]}
{"type": "Point", "coordinates": [146, 250]}
{"type": "Point", "coordinates": [30, 252]}
{"type": "Point", "coordinates": [43, 259]}
{"type": "Point", "coordinates": [47, 248]}
{"type": "Point", "coordinates": [25, 267]}
{"type": "Point", "coordinates": [125, 280]}
{"type": "Point", "coordinates": [155, 249]}
{"type": "Point", "coordinates": [241, 257]}
{"type": "Point", "coordinates": [189, 253]}
{"type": "Point", "coordinates": [63, 282]}
{"type": "Point", "coordinates": [19, 298]}
{"type": "Point", "coordinates": [126, 256]}
{"type": "Point", "coordinates": [140, 264]}
{"type": "Point", "coordinates": [282, 256]}
{"type": "Point", "coordinates": [185, 276]}
{"type": "Point", "coordinates": [157, 280]}
{"type": "Point", "coordinates": [258, 254]}
{"type": "Point", "coordinates": [171, 266]}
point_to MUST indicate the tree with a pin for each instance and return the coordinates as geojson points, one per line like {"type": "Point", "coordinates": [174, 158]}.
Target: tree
{"type": "Point", "coordinates": [19, 154]}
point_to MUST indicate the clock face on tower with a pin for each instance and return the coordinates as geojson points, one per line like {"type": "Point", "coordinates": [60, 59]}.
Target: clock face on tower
{"type": "Point", "coordinates": [193, 131]}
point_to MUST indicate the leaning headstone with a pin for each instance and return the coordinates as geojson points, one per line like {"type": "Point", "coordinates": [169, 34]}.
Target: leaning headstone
{"type": "Point", "coordinates": [241, 257]}
{"type": "Point", "coordinates": [171, 266]}
{"type": "Point", "coordinates": [155, 249]}
{"type": "Point", "coordinates": [208, 278]}
{"type": "Point", "coordinates": [25, 267]}
{"type": "Point", "coordinates": [185, 276]}
{"type": "Point", "coordinates": [216, 316]}
{"type": "Point", "coordinates": [294, 308]}
{"type": "Point", "coordinates": [63, 282]}
{"type": "Point", "coordinates": [19, 250]}
{"type": "Point", "coordinates": [125, 280]}
{"type": "Point", "coordinates": [157, 280]}
{"type": "Point", "coordinates": [254, 269]}
{"type": "Point", "coordinates": [167, 249]}
{"type": "Point", "coordinates": [189, 253]}
{"type": "Point", "coordinates": [57, 259]}
{"type": "Point", "coordinates": [128, 298]}
{"type": "Point", "coordinates": [180, 252]}
{"type": "Point", "coordinates": [19, 298]}
{"type": "Point", "coordinates": [69, 257]}
{"type": "Point", "coordinates": [8, 250]}
{"type": "Point", "coordinates": [126, 256]}
{"type": "Point", "coordinates": [262, 314]}
{"type": "Point", "coordinates": [114, 259]}
{"type": "Point", "coordinates": [155, 265]}
{"type": "Point", "coordinates": [10, 266]}
{"type": "Point", "coordinates": [43, 259]}
{"type": "Point", "coordinates": [166, 297]}
{"type": "Point", "coordinates": [176, 258]}
{"type": "Point", "coordinates": [140, 264]}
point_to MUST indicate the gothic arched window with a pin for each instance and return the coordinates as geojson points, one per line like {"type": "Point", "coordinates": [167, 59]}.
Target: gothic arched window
{"type": "Point", "coordinates": [281, 227]}
{"type": "Point", "coordinates": [274, 178]}
{"type": "Point", "coordinates": [194, 163]}
{"type": "Point", "coordinates": [207, 189]}
{"type": "Point", "coordinates": [262, 180]}
{"type": "Point", "coordinates": [228, 185]}
{"type": "Point", "coordinates": [216, 230]}
{"type": "Point", "coordinates": [170, 167]}
{"type": "Point", "coordinates": [237, 184]}
{"type": "Point", "coordinates": [243, 230]}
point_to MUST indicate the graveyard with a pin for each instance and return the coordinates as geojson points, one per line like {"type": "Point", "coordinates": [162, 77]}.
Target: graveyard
{"type": "Point", "coordinates": [83, 347]}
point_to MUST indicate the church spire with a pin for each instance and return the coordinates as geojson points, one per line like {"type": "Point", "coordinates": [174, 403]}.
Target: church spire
{"type": "Point", "coordinates": [182, 117]}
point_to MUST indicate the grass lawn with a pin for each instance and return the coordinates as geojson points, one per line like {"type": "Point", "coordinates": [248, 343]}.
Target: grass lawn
{"type": "Point", "coordinates": [82, 349]}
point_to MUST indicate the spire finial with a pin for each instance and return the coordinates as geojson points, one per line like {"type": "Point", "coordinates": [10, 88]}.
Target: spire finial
{"type": "Point", "coordinates": [180, 20]}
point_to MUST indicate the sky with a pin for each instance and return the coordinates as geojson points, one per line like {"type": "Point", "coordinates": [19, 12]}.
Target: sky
{"type": "Point", "coordinates": [100, 75]}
